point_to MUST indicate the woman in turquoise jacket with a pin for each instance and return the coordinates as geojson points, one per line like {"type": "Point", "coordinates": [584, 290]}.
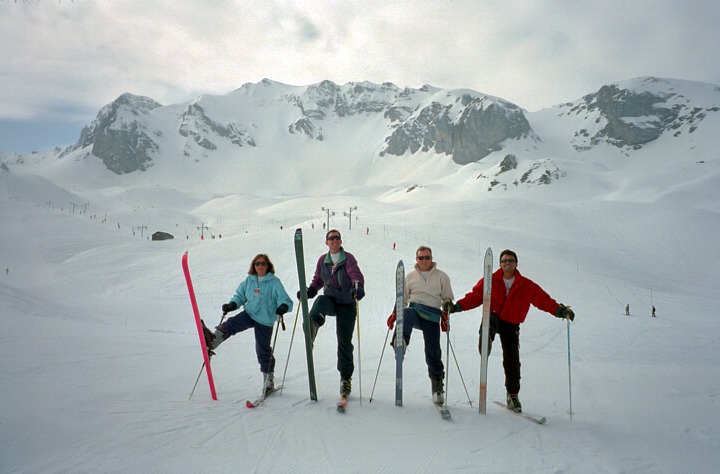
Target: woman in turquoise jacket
{"type": "Point", "coordinates": [264, 299]}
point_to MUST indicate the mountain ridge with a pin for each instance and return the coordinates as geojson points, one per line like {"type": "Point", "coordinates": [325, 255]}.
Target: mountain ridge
{"type": "Point", "coordinates": [292, 133]}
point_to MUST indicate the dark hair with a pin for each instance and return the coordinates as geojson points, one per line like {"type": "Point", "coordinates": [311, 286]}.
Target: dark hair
{"type": "Point", "coordinates": [331, 231]}
{"type": "Point", "coordinates": [270, 266]}
{"type": "Point", "coordinates": [423, 248]}
{"type": "Point", "coordinates": [508, 252]}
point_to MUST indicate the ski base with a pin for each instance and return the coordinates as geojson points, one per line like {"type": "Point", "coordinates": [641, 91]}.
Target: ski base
{"type": "Point", "coordinates": [342, 404]}
{"type": "Point", "coordinates": [261, 399]}
{"type": "Point", "coordinates": [443, 410]}
{"type": "Point", "coordinates": [539, 421]}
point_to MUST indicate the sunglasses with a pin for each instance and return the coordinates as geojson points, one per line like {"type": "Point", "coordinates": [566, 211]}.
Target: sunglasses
{"type": "Point", "coordinates": [334, 237]}
{"type": "Point", "coordinates": [507, 260]}
{"type": "Point", "coordinates": [424, 257]}
{"type": "Point", "coordinates": [260, 264]}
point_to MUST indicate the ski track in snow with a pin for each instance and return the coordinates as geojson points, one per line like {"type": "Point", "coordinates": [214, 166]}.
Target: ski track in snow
{"type": "Point", "coordinates": [99, 349]}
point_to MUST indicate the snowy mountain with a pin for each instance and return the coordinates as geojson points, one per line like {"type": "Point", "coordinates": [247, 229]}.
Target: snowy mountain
{"type": "Point", "coordinates": [375, 126]}
{"type": "Point", "coordinates": [609, 201]}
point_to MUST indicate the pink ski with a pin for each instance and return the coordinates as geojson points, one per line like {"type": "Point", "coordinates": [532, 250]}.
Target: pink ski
{"type": "Point", "coordinates": [198, 324]}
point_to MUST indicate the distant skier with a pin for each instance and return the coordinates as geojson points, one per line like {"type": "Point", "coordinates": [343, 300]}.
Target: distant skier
{"type": "Point", "coordinates": [627, 310]}
{"type": "Point", "coordinates": [426, 287]}
{"type": "Point", "coordinates": [511, 297]}
{"type": "Point", "coordinates": [264, 300]}
{"type": "Point", "coordinates": [337, 273]}
{"type": "Point", "coordinates": [653, 311]}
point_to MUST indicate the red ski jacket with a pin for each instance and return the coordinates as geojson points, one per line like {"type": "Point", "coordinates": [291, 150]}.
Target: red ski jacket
{"type": "Point", "coordinates": [514, 307]}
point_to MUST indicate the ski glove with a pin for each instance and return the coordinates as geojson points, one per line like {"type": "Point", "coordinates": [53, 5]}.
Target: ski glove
{"type": "Point", "coordinates": [311, 293]}
{"type": "Point", "coordinates": [391, 320]}
{"type": "Point", "coordinates": [564, 312]}
{"type": "Point", "coordinates": [282, 309]}
{"type": "Point", "coordinates": [358, 293]}
{"type": "Point", "coordinates": [228, 307]}
{"type": "Point", "coordinates": [450, 307]}
{"type": "Point", "coordinates": [444, 321]}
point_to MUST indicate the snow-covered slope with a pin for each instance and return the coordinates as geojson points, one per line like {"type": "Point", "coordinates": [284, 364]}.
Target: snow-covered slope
{"type": "Point", "coordinates": [99, 350]}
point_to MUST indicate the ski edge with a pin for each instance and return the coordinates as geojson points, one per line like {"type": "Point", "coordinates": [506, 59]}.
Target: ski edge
{"type": "Point", "coordinates": [444, 411]}
{"type": "Point", "coordinates": [198, 323]}
{"type": "Point", "coordinates": [539, 421]}
{"type": "Point", "coordinates": [261, 399]}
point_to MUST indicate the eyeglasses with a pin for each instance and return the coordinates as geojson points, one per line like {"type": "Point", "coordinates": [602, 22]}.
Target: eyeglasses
{"type": "Point", "coordinates": [261, 264]}
{"type": "Point", "coordinates": [424, 257]}
{"type": "Point", "coordinates": [334, 237]}
{"type": "Point", "coordinates": [507, 260]}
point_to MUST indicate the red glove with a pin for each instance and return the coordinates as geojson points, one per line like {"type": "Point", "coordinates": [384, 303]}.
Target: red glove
{"type": "Point", "coordinates": [391, 320]}
{"type": "Point", "coordinates": [444, 322]}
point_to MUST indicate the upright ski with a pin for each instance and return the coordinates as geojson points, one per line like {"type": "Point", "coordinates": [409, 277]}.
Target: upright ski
{"type": "Point", "coordinates": [539, 421]}
{"type": "Point", "coordinates": [307, 324]}
{"type": "Point", "coordinates": [198, 324]}
{"type": "Point", "coordinates": [485, 333]}
{"type": "Point", "coordinates": [399, 337]}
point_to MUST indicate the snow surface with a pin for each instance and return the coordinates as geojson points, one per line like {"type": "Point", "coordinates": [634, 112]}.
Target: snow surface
{"type": "Point", "coordinates": [99, 351]}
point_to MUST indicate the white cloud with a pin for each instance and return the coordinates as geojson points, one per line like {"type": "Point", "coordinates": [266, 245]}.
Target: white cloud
{"type": "Point", "coordinates": [80, 55]}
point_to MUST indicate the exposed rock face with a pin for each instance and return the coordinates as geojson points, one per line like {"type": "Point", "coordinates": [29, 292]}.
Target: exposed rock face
{"type": "Point", "coordinates": [469, 130]}
{"type": "Point", "coordinates": [633, 117]}
{"type": "Point", "coordinates": [465, 125]}
{"type": "Point", "coordinates": [201, 129]}
{"type": "Point", "coordinates": [118, 136]}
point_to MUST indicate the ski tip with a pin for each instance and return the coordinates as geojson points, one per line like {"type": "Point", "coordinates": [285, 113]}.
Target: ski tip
{"type": "Point", "coordinates": [249, 404]}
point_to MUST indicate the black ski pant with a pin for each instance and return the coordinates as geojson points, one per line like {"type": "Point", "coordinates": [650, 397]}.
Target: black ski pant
{"type": "Point", "coordinates": [510, 341]}
{"type": "Point", "coordinates": [431, 334]}
{"type": "Point", "coordinates": [241, 322]}
{"type": "Point", "coordinates": [345, 315]}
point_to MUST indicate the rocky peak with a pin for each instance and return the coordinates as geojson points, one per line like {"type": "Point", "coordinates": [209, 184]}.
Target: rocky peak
{"type": "Point", "coordinates": [469, 128]}
{"type": "Point", "coordinates": [118, 134]}
{"type": "Point", "coordinates": [636, 112]}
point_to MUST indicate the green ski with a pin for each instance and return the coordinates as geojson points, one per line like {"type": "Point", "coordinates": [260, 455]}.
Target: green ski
{"type": "Point", "coordinates": [307, 324]}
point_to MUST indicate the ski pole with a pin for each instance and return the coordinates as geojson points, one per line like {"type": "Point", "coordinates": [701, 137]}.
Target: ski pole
{"type": "Point", "coordinates": [462, 379]}
{"type": "Point", "coordinates": [292, 337]}
{"type": "Point", "coordinates": [280, 322]}
{"type": "Point", "coordinates": [379, 362]}
{"type": "Point", "coordinates": [197, 380]}
{"type": "Point", "coordinates": [447, 358]}
{"type": "Point", "coordinates": [203, 364]}
{"type": "Point", "coordinates": [357, 317]}
{"type": "Point", "coordinates": [569, 372]}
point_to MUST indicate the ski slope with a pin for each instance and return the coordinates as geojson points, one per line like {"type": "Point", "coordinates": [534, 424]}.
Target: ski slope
{"type": "Point", "coordinates": [99, 351]}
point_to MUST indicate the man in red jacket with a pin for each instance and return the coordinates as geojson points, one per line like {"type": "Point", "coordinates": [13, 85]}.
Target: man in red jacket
{"type": "Point", "coordinates": [510, 300]}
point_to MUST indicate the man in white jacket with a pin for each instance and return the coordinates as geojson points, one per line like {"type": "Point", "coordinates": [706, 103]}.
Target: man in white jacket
{"type": "Point", "coordinates": [426, 288]}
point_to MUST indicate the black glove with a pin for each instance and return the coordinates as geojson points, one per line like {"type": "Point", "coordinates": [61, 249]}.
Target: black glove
{"type": "Point", "coordinates": [564, 312]}
{"type": "Point", "coordinates": [282, 309]}
{"type": "Point", "coordinates": [228, 307]}
{"type": "Point", "coordinates": [450, 307]}
{"type": "Point", "coordinates": [311, 293]}
{"type": "Point", "coordinates": [358, 293]}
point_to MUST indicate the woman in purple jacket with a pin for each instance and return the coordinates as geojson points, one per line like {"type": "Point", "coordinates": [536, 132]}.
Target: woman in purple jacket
{"type": "Point", "coordinates": [338, 275]}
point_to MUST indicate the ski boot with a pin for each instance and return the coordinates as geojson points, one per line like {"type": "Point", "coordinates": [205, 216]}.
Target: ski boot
{"type": "Point", "coordinates": [438, 393]}
{"type": "Point", "coordinates": [345, 387]}
{"type": "Point", "coordinates": [513, 403]}
{"type": "Point", "coordinates": [268, 382]}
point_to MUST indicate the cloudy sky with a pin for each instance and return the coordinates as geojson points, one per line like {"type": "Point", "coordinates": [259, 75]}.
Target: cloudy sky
{"type": "Point", "coordinates": [62, 60]}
